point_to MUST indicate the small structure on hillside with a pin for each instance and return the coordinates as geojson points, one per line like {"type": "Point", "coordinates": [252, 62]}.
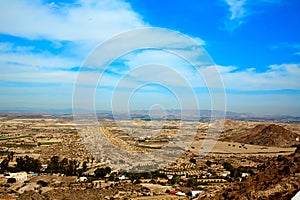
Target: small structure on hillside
{"type": "Point", "coordinates": [195, 192]}
{"type": "Point", "coordinates": [19, 176]}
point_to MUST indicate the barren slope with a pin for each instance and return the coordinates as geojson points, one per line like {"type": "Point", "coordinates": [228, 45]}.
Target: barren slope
{"type": "Point", "coordinates": [266, 135]}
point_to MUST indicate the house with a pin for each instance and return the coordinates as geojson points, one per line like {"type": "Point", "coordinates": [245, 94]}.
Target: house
{"type": "Point", "coordinates": [173, 192]}
{"type": "Point", "coordinates": [44, 167]}
{"type": "Point", "coordinates": [19, 176]}
{"type": "Point", "coordinates": [195, 192]}
{"type": "Point", "coordinates": [180, 194]}
{"type": "Point", "coordinates": [122, 177]}
{"type": "Point", "coordinates": [82, 179]}
{"type": "Point", "coordinates": [141, 139]}
{"type": "Point", "coordinates": [244, 175]}
{"type": "Point", "coordinates": [208, 174]}
{"type": "Point", "coordinates": [224, 173]}
{"type": "Point", "coordinates": [170, 176]}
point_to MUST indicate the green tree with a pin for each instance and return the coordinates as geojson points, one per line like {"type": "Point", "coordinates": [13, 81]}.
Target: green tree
{"type": "Point", "coordinates": [192, 182]}
{"type": "Point", "coordinates": [63, 165]}
{"type": "Point", "coordinates": [4, 165]}
{"type": "Point", "coordinates": [100, 172]}
{"type": "Point", "coordinates": [208, 163]}
{"type": "Point", "coordinates": [20, 164]}
{"type": "Point", "coordinates": [42, 183]}
{"type": "Point", "coordinates": [72, 168]}
{"type": "Point", "coordinates": [32, 164]}
{"type": "Point", "coordinates": [84, 166]}
{"type": "Point", "coordinates": [107, 170]}
{"type": "Point", "coordinates": [54, 165]}
{"type": "Point", "coordinates": [228, 166]}
{"type": "Point", "coordinates": [193, 160]}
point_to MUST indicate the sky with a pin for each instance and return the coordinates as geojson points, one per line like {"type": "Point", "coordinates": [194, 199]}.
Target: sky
{"type": "Point", "coordinates": [253, 45]}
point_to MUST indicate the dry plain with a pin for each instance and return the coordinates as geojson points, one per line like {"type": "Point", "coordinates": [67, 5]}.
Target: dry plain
{"type": "Point", "coordinates": [43, 137]}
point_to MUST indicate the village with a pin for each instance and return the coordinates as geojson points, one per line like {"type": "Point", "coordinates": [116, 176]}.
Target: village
{"type": "Point", "coordinates": [189, 180]}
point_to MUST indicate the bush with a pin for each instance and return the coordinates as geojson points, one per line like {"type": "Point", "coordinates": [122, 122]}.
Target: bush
{"type": "Point", "coordinates": [137, 181]}
{"type": "Point", "coordinates": [193, 160]}
{"type": "Point", "coordinates": [152, 181]}
{"type": "Point", "coordinates": [208, 163]}
{"type": "Point", "coordinates": [11, 180]}
{"type": "Point", "coordinates": [42, 183]}
{"type": "Point", "coordinates": [100, 172]}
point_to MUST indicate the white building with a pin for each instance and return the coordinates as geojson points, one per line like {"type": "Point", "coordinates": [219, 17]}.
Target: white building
{"type": "Point", "coordinates": [122, 177]}
{"type": "Point", "coordinates": [19, 176]}
{"type": "Point", "coordinates": [82, 179]}
{"type": "Point", "coordinates": [244, 175]}
{"type": "Point", "coordinates": [180, 194]}
{"type": "Point", "coordinates": [195, 192]}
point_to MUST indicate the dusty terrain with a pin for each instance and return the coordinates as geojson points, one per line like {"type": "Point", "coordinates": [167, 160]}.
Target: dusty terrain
{"type": "Point", "coordinates": [240, 143]}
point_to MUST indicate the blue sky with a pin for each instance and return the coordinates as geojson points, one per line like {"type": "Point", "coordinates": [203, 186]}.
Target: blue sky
{"type": "Point", "coordinates": [254, 44]}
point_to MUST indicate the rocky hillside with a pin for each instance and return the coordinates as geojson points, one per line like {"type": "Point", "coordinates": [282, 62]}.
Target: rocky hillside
{"type": "Point", "coordinates": [266, 135]}
{"type": "Point", "coordinates": [278, 178]}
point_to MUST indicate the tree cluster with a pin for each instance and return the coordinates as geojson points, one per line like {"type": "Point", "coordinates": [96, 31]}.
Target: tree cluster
{"type": "Point", "coordinates": [29, 164]}
{"type": "Point", "coordinates": [102, 172]}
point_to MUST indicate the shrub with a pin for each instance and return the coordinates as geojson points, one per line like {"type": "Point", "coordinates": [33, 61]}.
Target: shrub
{"type": "Point", "coordinates": [42, 183]}
{"type": "Point", "coordinates": [11, 180]}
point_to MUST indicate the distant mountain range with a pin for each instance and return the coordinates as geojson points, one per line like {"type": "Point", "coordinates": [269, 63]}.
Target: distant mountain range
{"type": "Point", "coordinates": [192, 115]}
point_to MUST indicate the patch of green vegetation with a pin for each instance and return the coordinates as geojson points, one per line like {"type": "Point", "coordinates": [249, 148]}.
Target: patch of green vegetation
{"type": "Point", "coordinates": [29, 145]}
{"type": "Point", "coordinates": [23, 145]}
{"type": "Point", "coordinates": [14, 138]}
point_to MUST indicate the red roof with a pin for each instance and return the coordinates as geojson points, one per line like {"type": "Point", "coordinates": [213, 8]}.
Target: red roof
{"type": "Point", "coordinates": [173, 192]}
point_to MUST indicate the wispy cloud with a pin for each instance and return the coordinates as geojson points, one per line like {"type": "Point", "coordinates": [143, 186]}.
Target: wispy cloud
{"type": "Point", "coordinates": [293, 46]}
{"type": "Point", "coordinates": [275, 78]}
{"type": "Point", "coordinates": [237, 13]}
{"type": "Point", "coordinates": [240, 10]}
{"type": "Point", "coordinates": [236, 8]}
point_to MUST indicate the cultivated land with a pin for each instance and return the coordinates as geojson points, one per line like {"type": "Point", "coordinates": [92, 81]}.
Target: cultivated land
{"type": "Point", "coordinates": [66, 169]}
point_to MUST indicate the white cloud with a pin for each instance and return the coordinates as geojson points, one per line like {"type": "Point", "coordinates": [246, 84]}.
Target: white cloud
{"type": "Point", "coordinates": [277, 77]}
{"type": "Point", "coordinates": [241, 9]}
{"type": "Point", "coordinates": [237, 14]}
{"type": "Point", "coordinates": [37, 61]}
{"type": "Point", "coordinates": [89, 21]}
{"type": "Point", "coordinates": [236, 8]}
{"type": "Point", "coordinates": [84, 24]}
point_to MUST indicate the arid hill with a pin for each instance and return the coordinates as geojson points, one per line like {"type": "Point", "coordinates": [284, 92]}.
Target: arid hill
{"type": "Point", "coordinates": [266, 135]}
{"type": "Point", "coordinates": [277, 178]}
